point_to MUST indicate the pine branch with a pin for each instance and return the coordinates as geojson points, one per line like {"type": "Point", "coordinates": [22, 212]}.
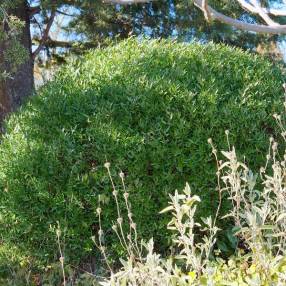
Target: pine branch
{"type": "Point", "coordinates": [55, 43]}
{"type": "Point", "coordinates": [45, 34]}
{"type": "Point", "coordinates": [34, 10]}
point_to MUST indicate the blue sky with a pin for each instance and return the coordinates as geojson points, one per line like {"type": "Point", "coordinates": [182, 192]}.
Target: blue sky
{"type": "Point", "coordinates": [61, 20]}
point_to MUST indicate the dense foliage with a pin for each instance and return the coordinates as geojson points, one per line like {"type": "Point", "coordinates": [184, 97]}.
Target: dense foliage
{"type": "Point", "coordinates": [146, 107]}
{"type": "Point", "coordinates": [12, 53]}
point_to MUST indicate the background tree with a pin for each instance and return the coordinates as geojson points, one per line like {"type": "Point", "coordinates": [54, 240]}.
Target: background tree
{"type": "Point", "coordinates": [179, 19]}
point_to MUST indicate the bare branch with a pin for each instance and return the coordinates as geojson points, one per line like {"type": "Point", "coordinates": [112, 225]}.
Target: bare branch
{"type": "Point", "coordinates": [64, 13]}
{"type": "Point", "coordinates": [206, 10]}
{"type": "Point", "coordinates": [215, 15]}
{"type": "Point", "coordinates": [45, 34]}
{"type": "Point", "coordinates": [275, 12]}
{"type": "Point", "coordinates": [255, 8]}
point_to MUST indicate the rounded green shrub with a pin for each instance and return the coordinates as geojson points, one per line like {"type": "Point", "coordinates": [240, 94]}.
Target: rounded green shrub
{"type": "Point", "coordinates": [148, 108]}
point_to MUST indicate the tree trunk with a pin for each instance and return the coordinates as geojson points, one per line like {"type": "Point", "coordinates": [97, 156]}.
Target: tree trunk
{"type": "Point", "coordinates": [14, 90]}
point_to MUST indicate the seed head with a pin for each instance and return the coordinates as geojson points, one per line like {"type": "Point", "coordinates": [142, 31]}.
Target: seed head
{"type": "Point", "coordinates": [276, 116]}
{"type": "Point", "coordinates": [107, 165]}
{"type": "Point", "coordinates": [262, 170]}
{"type": "Point", "coordinates": [274, 146]}
{"type": "Point", "coordinates": [58, 232]}
{"type": "Point", "coordinates": [133, 225]}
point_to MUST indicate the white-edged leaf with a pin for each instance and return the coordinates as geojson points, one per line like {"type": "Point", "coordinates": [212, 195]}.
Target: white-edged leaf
{"type": "Point", "coordinates": [167, 209]}
{"type": "Point", "coordinates": [280, 217]}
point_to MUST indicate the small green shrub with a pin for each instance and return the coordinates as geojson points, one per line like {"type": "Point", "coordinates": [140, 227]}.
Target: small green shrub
{"type": "Point", "coordinates": [146, 107]}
